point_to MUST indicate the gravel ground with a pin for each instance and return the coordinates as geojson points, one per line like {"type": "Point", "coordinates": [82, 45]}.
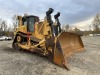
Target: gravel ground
{"type": "Point", "coordinates": [13, 62]}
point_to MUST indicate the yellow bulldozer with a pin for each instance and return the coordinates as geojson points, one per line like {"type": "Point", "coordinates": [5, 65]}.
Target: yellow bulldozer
{"type": "Point", "coordinates": [46, 38]}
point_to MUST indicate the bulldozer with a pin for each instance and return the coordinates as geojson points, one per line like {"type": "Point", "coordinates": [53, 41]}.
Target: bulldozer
{"type": "Point", "coordinates": [46, 38]}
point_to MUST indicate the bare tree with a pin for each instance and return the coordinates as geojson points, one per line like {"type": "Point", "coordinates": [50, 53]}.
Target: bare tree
{"type": "Point", "coordinates": [76, 29]}
{"type": "Point", "coordinates": [4, 25]}
{"type": "Point", "coordinates": [96, 22]}
{"type": "Point", "coordinates": [0, 25]}
{"type": "Point", "coordinates": [14, 21]}
{"type": "Point", "coordinates": [90, 28]}
{"type": "Point", "coordinates": [67, 28]}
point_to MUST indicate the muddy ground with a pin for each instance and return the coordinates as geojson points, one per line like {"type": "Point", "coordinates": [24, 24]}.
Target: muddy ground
{"type": "Point", "coordinates": [15, 62]}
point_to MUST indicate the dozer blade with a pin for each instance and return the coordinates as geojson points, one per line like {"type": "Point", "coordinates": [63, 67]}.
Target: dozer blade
{"type": "Point", "coordinates": [66, 45]}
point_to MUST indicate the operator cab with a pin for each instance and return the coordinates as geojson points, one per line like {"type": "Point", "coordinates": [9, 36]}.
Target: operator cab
{"type": "Point", "coordinates": [30, 22]}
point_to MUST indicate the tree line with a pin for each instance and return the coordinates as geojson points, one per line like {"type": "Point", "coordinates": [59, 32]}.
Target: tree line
{"type": "Point", "coordinates": [94, 28]}
{"type": "Point", "coordinates": [7, 30]}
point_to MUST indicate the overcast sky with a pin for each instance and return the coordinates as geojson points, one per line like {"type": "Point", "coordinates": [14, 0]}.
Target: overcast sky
{"type": "Point", "coordinates": [73, 12]}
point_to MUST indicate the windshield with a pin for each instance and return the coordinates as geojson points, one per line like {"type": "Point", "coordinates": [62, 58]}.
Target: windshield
{"type": "Point", "coordinates": [31, 22]}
